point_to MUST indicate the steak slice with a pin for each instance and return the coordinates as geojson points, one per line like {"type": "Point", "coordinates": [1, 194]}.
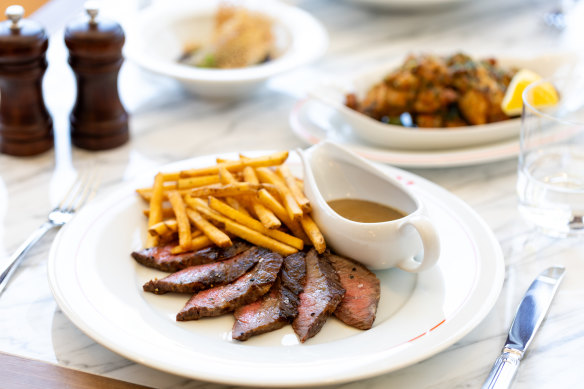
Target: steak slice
{"type": "Point", "coordinates": [244, 290]}
{"type": "Point", "coordinates": [359, 305]}
{"type": "Point", "coordinates": [195, 278]}
{"type": "Point", "coordinates": [322, 293]}
{"type": "Point", "coordinates": [276, 308]}
{"type": "Point", "coordinates": [162, 259]}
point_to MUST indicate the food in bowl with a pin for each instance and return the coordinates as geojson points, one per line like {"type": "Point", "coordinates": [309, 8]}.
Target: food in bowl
{"type": "Point", "coordinates": [430, 91]}
{"type": "Point", "coordinates": [240, 38]}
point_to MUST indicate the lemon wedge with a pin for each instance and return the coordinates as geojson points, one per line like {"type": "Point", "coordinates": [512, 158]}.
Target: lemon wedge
{"type": "Point", "coordinates": [544, 95]}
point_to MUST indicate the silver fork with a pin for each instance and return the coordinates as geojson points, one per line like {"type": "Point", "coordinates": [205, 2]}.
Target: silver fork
{"type": "Point", "coordinates": [78, 194]}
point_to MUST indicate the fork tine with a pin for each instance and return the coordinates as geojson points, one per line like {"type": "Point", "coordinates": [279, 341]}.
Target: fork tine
{"type": "Point", "coordinates": [90, 189]}
{"type": "Point", "coordinates": [71, 194]}
{"type": "Point", "coordinates": [82, 190]}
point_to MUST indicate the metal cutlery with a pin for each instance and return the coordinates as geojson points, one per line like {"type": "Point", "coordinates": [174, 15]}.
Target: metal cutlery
{"type": "Point", "coordinates": [530, 314]}
{"type": "Point", "coordinates": [78, 194]}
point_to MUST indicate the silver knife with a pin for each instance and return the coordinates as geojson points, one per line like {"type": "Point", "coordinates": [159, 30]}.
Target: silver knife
{"type": "Point", "coordinates": [530, 314]}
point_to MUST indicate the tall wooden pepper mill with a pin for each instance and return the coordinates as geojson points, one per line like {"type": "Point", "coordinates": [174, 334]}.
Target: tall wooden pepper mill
{"type": "Point", "coordinates": [26, 128]}
{"type": "Point", "coordinates": [98, 119]}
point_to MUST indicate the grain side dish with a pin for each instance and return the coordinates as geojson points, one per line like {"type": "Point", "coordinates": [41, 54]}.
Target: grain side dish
{"type": "Point", "coordinates": [240, 38]}
{"type": "Point", "coordinates": [432, 91]}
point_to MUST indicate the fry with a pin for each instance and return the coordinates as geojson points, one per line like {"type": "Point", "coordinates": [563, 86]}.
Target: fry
{"type": "Point", "coordinates": [163, 228]}
{"type": "Point", "coordinates": [237, 205]}
{"type": "Point", "coordinates": [236, 166]}
{"type": "Point", "coordinates": [171, 176]}
{"type": "Point", "coordinates": [242, 231]}
{"type": "Point", "coordinates": [255, 225]}
{"type": "Point", "coordinates": [198, 243]}
{"type": "Point", "coordinates": [267, 176]}
{"type": "Point", "coordinates": [146, 193]}
{"type": "Point", "coordinates": [313, 233]}
{"type": "Point", "coordinates": [184, 226]}
{"type": "Point", "coordinates": [213, 233]}
{"type": "Point", "coordinates": [301, 200]}
{"type": "Point", "coordinates": [229, 190]}
{"type": "Point", "coordinates": [225, 177]}
{"type": "Point", "coordinates": [155, 215]}
{"type": "Point", "coordinates": [267, 217]}
{"type": "Point", "coordinates": [193, 182]}
{"type": "Point", "coordinates": [272, 204]}
{"type": "Point", "coordinates": [167, 212]}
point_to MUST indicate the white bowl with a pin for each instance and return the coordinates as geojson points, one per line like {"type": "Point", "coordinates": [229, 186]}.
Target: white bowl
{"type": "Point", "coordinates": [333, 93]}
{"type": "Point", "coordinates": [159, 34]}
{"type": "Point", "coordinates": [408, 4]}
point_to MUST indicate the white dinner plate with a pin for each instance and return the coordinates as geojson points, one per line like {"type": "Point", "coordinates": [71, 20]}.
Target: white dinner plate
{"type": "Point", "coordinates": [99, 287]}
{"type": "Point", "coordinates": [333, 93]}
{"type": "Point", "coordinates": [407, 4]}
{"type": "Point", "coordinates": [313, 121]}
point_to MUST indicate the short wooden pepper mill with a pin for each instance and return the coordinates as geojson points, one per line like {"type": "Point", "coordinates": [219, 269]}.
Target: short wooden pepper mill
{"type": "Point", "coordinates": [26, 128]}
{"type": "Point", "coordinates": [98, 119]}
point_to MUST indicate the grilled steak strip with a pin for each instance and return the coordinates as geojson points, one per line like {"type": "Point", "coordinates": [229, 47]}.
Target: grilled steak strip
{"type": "Point", "coordinates": [322, 293]}
{"type": "Point", "coordinates": [276, 308]}
{"type": "Point", "coordinates": [244, 290]}
{"type": "Point", "coordinates": [196, 278]}
{"type": "Point", "coordinates": [359, 304]}
{"type": "Point", "coordinates": [162, 259]}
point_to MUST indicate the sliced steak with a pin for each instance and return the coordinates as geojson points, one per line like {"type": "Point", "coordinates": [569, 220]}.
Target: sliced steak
{"type": "Point", "coordinates": [162, 259]}
{"type": "Point", "coordinates": [276, 308]}
{"type": "Point", "coordinates": [322, 293]}
{"type": "Point", "coordinates": [244, 290]}
{"type": "Point", "coordinates": [196, 278]}
{"type": "Point", "coordinates": [359, 305]}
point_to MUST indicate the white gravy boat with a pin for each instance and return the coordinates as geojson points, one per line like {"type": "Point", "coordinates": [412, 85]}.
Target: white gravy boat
{"type": "Point", "coordinates": [332, 172]}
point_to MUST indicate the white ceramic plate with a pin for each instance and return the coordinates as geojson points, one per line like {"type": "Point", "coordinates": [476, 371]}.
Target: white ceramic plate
{"type": "Point", "coordinates": [160, 33]}
{"type": "Point", "coordinates": [397, 137]}
{"type": "Point", "coordinates": [312, 121]}
{"type": "Point", "coordinates": [98, 286]}
{"type": "Point", "coordinates": [407, 4]}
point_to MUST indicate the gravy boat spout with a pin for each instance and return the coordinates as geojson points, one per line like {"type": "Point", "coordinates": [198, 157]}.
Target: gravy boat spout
{"type": "Point", "coordinates": [332, 172]}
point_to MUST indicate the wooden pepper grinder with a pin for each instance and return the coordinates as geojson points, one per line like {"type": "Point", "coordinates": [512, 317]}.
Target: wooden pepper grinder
{"type": "Point", "coordinates": [98, 119]}
{"type": "Point", "coordinates": [26, 128]}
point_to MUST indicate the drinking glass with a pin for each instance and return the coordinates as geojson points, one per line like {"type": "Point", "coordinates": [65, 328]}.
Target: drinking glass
{"type": "Point", "coordinates": [550, 182]}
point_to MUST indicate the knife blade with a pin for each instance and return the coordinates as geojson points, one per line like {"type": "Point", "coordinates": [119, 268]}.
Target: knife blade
{"type": "Point", "coordinates": [530, 314]}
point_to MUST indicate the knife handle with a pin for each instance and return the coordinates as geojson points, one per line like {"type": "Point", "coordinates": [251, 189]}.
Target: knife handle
{"type": "Point", "coordinates": [504, 369]}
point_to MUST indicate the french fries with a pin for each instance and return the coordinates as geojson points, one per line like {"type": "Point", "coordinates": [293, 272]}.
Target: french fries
{"type": "Point", "coordinates": [235, 166]}
{"type": "Point", "coordinates": [301, 200]}
{"type": "Point", "coordinates": [155, 215]}
{"type": "Point", "coordinates": [229, 190]}
{"type": "Point", "coordinates": [182, 220]}
{"type": "Point", "coordinates": [267, 217]}
{"type": "Point", "coordinates": [163, 228]}
{"type": "Point", "coordinates": [252, 223]}
{"type": "Point", "coordinates": [253, 198]}
{"type": "Point", "coordinates": [268, 176]}
{"type": "Point", "coordinates": [213, 233]}
{"type": "Point", "coordinates": [313, 233]}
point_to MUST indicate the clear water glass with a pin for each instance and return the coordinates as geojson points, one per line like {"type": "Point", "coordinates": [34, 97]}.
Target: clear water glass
{"type": "Point", "coordinates": [550, 182]}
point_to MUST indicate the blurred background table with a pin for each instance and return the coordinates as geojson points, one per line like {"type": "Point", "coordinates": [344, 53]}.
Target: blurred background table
{"type": "Point", "coordinates": [168, 124]}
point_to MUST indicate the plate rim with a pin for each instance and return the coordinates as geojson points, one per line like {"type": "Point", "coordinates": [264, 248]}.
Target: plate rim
{"type": "Point", "coordinates": [477, 317]}
{"type": "Point", "coordinates": [464, 156]}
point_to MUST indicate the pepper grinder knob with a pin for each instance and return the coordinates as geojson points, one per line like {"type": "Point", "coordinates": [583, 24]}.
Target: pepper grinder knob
{"type": "Point", "coordinates": [15, 13]}
{"type": "Point", "coordinates": [92, 9]}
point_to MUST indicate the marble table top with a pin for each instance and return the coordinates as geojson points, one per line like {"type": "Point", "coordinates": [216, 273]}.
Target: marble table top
{"type": "Point", "coordinates": [33, 325]}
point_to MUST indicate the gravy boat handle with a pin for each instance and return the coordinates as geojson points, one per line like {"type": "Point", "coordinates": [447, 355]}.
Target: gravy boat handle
{"type": "Point", "coordinates": [430, 244]}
